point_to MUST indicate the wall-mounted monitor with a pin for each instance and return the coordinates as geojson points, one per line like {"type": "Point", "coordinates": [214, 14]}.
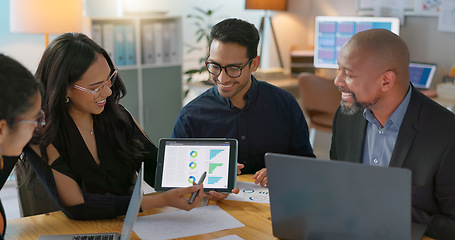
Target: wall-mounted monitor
{"type": "Point", "coordinates": [332, 32]}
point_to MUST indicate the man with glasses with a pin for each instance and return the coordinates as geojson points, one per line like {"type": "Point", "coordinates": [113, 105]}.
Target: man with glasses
{"type": "Point", "coordinates": [262, 117]}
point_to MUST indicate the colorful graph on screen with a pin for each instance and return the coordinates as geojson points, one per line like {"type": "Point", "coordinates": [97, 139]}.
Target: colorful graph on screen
{"type": "Point", "coordinates": [191, 179]}
{"type": "Point", "coordinates": [184, 164]}
{"type": "Point", "coordinates": [212, 167]}
{"type": "Point", "coordinates": [193, 154]}
{"type": "Point", "coordinates": [213, 180]}
{"type": "Point", "coordinates": [215, 152]}
{"type": "Point", "coordinates": [193, 165]}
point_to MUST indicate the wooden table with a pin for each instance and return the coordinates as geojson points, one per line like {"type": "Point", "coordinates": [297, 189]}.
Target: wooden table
{"type": "Point", "coordinates": [255, 216]}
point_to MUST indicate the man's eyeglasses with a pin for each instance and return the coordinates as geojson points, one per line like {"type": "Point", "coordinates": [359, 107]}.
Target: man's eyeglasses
{"type": "Point", "coordinates": [40, 120]}
{"type": "Point", "coordinates": [96, 92]}
{"type": "Point", "coordinates": [232, 71]}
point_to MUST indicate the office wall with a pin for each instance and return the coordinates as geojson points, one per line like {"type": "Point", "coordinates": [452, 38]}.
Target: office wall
{"type": "Point", "coordinates": [294, 28]}
{"type": "Point", "coordinates": [288, 25]}
{"type": "Point", "coordinates": [28, 48]}
{"type": "Point", "coordinates": [25, 48]}
{"type": "Point", "coordinates": [427, 44]}
{"type": "Point", "coordinates": [421, 34]}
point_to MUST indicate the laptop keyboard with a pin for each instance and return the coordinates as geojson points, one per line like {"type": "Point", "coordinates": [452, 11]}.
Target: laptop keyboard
{"type": "Point", "coordinates": [95, 237]}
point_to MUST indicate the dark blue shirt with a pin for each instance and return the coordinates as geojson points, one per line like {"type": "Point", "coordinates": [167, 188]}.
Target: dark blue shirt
{"type": "Point", "coordinates": [271, 121]}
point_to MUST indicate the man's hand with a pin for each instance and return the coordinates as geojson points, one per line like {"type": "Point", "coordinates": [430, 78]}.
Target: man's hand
{"type": "Point", "coordinates": [239, 167]}
{"type": "Point", "coordinates": [261, 177]}
{"type": "Point", "coordinates": [216, 196]}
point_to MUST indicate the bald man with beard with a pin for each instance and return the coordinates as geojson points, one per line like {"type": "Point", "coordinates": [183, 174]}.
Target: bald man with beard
{"type": "Point", "coordinates": [384, 121]}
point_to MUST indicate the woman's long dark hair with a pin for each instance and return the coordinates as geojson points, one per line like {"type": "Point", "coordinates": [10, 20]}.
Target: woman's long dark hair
{"type": "Point", "coordinates": [63, 63]}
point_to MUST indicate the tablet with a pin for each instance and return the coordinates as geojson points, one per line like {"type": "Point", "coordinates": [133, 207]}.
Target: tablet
{"type": "Point", "coordinates": [182, 161]}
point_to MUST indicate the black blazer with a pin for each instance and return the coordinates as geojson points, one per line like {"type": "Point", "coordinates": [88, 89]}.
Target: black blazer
{"type": "Point", "coordinates": [426, 145]}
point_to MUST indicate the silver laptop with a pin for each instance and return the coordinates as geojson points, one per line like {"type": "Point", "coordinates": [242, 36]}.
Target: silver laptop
{"type": "Point", "coordinates": [130, 219]}
{"type": "Point", "coordinates": [421, 74]}
{"type": "Point", "coordinates": [316, 199]}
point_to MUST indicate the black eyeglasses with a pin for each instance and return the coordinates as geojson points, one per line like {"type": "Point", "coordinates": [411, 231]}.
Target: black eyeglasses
{"type": "Point", "coordinates": [232, 71]}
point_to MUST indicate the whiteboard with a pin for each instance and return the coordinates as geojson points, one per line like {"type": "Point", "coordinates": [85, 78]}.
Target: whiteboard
{"type": "Point", "coordinates": [412, 7]}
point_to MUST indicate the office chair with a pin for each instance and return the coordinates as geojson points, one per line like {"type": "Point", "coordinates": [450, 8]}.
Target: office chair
{"type": "Point", "coordinates": [320, 99]}
{"type": "Point", "coordinates": [32, 194]}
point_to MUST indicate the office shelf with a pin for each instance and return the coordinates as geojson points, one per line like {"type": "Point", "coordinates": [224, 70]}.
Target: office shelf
{"type": "Point", "coordinates": [153, 77]}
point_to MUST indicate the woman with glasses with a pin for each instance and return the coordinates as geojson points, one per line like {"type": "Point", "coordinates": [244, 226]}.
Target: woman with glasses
{"type": "Point", "coordinates": [92, 144]}
{"type": "Point", "coordinates": [20, 104]}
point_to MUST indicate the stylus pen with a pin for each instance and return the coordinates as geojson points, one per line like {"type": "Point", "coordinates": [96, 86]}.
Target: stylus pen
{"type": "Point", "coordinates": [193, 195]}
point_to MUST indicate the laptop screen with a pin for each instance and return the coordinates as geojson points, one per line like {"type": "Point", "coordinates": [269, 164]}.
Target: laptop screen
{"type": "Point", "coordinates": [421, 74]}
{"type": "Point", "coordinates": [133, 207]}
{"type": "Point", "coordinates": [130, 218]}
{"type": "Point", "coordinates": [318, 199]}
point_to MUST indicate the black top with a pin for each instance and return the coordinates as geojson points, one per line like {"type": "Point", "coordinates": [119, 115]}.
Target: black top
{"type": "Point", "coordinates": [107, 187]}
{"type": "Point", "coordinates": [271, 121]}
{"type": "Point", "coordinates": [8, 165]}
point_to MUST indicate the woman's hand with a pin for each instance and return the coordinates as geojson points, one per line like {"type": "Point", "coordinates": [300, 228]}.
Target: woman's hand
{"type": "Point", "coordinates": [177, 197]}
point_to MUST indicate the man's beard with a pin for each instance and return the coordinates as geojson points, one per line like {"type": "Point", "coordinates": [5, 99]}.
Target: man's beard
{"type": "Point", "coordinates": [351, 110]}
{"type": "Point", "coordinates": [355, 106]}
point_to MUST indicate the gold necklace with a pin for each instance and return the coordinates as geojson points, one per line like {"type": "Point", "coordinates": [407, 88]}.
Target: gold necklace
{"type": "Point", "coordinates": [86, 129]}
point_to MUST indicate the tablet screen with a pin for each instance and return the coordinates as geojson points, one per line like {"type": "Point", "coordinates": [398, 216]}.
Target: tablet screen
{"type": "Point", "coordinates": [183, 161]}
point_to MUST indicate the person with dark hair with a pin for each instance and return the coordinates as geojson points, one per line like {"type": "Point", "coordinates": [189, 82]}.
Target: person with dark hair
{"type": "Point", "coordinates": [20, 114]}
{"type": "Point", "coordinates": [384, 121]}
{"type": "Point", "coordinates": [262, 117]}
{"type": "Point", "coordinates": [92, 145]}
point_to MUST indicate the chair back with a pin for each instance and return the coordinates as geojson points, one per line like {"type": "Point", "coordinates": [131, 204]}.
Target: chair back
{"type": "Point", "coordinates": [33, 196]}
{"type": "Point", "coordinates": [320, 99]}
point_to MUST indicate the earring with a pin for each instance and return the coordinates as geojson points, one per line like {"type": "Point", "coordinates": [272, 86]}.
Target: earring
{"type": "Point", "coordinates": [67, 99]}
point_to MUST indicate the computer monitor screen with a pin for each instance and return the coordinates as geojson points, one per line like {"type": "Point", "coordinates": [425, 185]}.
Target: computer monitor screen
{"type": "Point", "coordinates": [421, 74]}
{"type": "Point", "coordinates": [332, 32]}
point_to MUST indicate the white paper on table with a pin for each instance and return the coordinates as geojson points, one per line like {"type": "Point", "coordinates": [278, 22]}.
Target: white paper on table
{"type": "Point", "coordinates": [250, 192]}
{"type": "Point", "coordinates": [146, 188]}
{"type": "Point", "coordinates": [183, 224]}
{"type": "Point", "coordinates": [229, 237]}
